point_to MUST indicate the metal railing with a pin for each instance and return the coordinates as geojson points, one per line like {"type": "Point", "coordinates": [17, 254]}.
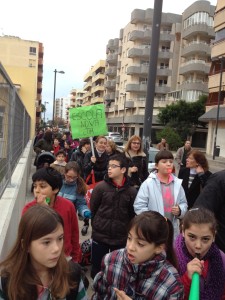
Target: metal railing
{"type": "Point", "coordinates": [14, 128]}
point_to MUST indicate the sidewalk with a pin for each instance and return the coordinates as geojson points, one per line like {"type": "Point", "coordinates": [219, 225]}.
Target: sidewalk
{"type": "Point", "coordinates": [217, 164]}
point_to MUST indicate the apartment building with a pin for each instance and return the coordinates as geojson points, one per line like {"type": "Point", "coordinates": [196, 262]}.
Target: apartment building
{"type": "Point", "coordinates": [94, 84]}
{"type": "Point", "coordinates": [215, 107]}
{"type": "Point", "coordinates": [23, 61]}
{"type": "Point", "coordinates": [76, 100]}
{"type": "Point", "coordinates": [195, 55]}
{"type": "Point", "coordinates": [182, 67]}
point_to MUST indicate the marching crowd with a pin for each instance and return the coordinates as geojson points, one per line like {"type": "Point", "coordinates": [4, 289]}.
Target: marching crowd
{"type": "Point", "coordinates": [150, 231]}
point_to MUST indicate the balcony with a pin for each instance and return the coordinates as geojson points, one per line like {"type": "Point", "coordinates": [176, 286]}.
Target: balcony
{"type": "Point", "coordinates": [197, 85]}
{"type": "Point", "coordinates": [137, 87]}
{"type": "Point", "coordinates": [199, 66]}
{"type": "Point", "coordinates": [198, 29]}
{"type": "Point", "coordinates": [97, 88]}
{"type": "Point", "coordinates": [112, 58]}
{"type": "Point", "coordinates": [109, 96]}
{"type": "Point", "coordinates": [113, 44]}
{"type": "Point", "coordinates": [98, 76]}
{"type": "Point", "coordinates": [161, 89]}
{"type": "Point", "coordinates": [129, 104]}
{"type": "Point", "coordinates": [87, 86]}
{"type": "Point", "coordinates": [111, 71]}
{"type": "Point", "coordinates": [138, 70]}
{"type": "Point", "coordinates": [196, 47]}
{"type": "Point", "coordinates": [166, 37]}
{"type": "Point", "coordinates": [165, 54]}
{"type": "Point", "coordinates": [164, 72]}
{"type": "Point", "coordinates": [110, 84]}
{"type": "Point", "coordinates": [136, 35]}
{"type": "Point", "coordinates": [97, 100]}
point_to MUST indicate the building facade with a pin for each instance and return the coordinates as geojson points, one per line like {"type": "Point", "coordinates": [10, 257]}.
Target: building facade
{"type": "Point", "coordinates": [23, 61]}
{"type": "Point", "coordinates": [182, 67]}
{"type": "Point", "coordinates": [94, 84]}
{"type": "Point", "coordinates": [215, 107]}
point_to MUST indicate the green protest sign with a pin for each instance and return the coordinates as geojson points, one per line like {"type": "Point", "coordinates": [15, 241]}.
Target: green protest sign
{"type": "Point", "coordinates": [88, 121]}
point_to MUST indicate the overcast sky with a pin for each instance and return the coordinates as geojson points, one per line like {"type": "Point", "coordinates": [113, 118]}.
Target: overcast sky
{"type": "Point", "coordinates": [74, 33]}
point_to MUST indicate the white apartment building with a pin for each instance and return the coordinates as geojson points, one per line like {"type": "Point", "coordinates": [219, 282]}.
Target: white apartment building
{"type": "Point", "coordinates": [182, 67]}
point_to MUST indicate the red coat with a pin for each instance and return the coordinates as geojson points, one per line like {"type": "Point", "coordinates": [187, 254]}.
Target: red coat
{"type": "Point", "coordinates": [71, 230]}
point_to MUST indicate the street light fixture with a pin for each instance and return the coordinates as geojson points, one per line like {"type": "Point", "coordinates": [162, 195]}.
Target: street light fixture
{"type": "Point", "coordinates": [124, 111]}
{"type": "Point", "coordinates": [222, 60]}
{"type": "Point", "coordinates": [45, 109]}
{"type": "Point", "coordinates": [53, 114]}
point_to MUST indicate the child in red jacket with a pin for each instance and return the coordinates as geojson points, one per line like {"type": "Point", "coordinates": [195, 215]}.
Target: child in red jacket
{"type": "Point", "coordinates": [46, 184]}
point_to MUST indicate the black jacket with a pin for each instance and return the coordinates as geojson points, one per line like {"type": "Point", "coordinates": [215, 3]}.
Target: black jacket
{"type": "Point", "coordinates": [213, 198]}
{"type": "Point", "coordinates": [112, 210]}
{"type": "Point", "coordinates": [196, 186]}
{"type": "Point", "coordinates": [100, 167]}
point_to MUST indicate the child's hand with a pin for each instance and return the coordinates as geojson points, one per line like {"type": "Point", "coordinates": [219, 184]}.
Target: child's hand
{"type": "Point", "coordinates": [175, 210]}
{"type": "Point", "coordinates": [133, 169]}
{"type": "Point", "coordinates": [93, 159]}
{"type": "Point", "coordinates": [121, 295]}
{"type": "Point", "coordinates": [41, 199]}
{"type": "Point", "coordinates": [195, 265]}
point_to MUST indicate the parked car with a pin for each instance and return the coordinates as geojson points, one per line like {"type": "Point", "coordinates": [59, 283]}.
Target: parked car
{"type": "Point", "coordinates": [116, 137]}
{"type": "Point", "coordinates": [151, 158]}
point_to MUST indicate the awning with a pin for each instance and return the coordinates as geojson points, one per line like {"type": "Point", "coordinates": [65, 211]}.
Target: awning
{"type": "Point", "coordinates": [211, 115]}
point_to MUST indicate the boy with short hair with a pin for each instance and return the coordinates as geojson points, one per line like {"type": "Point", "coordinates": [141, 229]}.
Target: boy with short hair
{"type": "Point", "coordinates": [46, 184]}
{"type": "Point", "coordinates": [59, 164]}
{"type": "Point", "coordinates": [112, 210]}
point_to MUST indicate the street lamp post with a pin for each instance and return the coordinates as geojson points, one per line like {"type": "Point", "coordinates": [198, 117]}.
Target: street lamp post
{"type": "Point", "coordinates": [53, 114]}
{"type": "Point", "coordinates": [124, 111]}
{"type": "Point", "coordinates": [222, 59]}
{"type": "Point", "coordinates": [45, 109]}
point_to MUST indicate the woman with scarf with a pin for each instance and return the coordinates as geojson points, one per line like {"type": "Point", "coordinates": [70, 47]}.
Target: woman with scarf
{"type": "Point", "coordinates": [98, 160]}
{"type": "Point", "coordinates": [197, 252]}
{"type": "Point", "coordinates": [138, 163]}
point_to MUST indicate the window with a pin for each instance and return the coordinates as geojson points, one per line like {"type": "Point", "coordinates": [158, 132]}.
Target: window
{"type": "Point", "coordinates": [164, 65]}
{"type": "Point", "coordinates": [32, 51]}
{"type": "Point", "coordinates": [165, 49]}
{"type": "Point", "coordinates": [162, 82]}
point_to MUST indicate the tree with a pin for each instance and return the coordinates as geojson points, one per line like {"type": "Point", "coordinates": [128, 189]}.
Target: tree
{"type": "Point", "coordinates": [183, 116]}
{"type": "Point", "coordinates": [171, 136]}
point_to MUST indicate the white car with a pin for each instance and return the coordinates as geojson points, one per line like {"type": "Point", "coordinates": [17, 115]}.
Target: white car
{"type": "Point", "coordinates": [116, 137]}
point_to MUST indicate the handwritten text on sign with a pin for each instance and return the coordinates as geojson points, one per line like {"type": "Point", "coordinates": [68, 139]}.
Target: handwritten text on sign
{"type": "Point", "coordinates": [88, 121]}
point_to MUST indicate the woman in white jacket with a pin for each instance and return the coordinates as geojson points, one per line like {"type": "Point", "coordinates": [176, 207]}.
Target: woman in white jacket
{"type": "Point", "coordinates": [162, 191]}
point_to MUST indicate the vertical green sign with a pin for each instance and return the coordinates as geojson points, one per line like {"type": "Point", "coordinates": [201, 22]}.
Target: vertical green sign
{"type": "Point", "coordinates": [88, 121]}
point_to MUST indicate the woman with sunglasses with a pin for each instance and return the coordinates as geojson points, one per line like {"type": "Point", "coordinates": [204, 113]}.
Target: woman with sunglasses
{"type": "Point", "coordinates": [138, 164]}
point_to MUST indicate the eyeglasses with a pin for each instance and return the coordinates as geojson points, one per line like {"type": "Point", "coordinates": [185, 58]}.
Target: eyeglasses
{"type": "Point", "coordinates": [136, 143]}
{"type": "Point", "coordinates": [70, 177]}
{"type": "Point", "coordinates": [113, 166]}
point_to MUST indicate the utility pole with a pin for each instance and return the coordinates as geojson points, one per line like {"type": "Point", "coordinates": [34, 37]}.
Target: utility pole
{"type": "Point", "coordinates": [147, 126]}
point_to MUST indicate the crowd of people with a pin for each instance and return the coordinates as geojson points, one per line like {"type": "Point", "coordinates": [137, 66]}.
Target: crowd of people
{"type": "Point", "coordinates": [150, 231]}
